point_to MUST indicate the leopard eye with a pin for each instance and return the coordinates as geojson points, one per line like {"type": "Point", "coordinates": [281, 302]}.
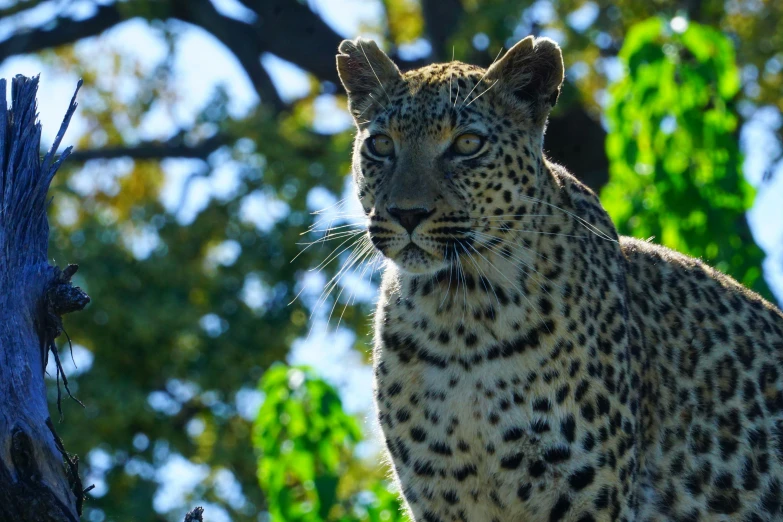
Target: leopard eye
{"type": "Point", "coordinates": [468, 144]}
{"type": "Point", "coordinates": [381, 145]}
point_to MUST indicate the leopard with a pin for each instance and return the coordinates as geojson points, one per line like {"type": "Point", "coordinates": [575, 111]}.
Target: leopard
{"type": "Point", "coordinates": [529, 362]}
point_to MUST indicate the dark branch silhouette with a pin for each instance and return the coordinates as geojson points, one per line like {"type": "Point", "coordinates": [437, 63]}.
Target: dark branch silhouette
{"type": "Point", "coordinates": [155, 150]}
{"type": "Point", "coordinates": [62, 31]}
{"type": "Point", "coordinates": [440, 18]}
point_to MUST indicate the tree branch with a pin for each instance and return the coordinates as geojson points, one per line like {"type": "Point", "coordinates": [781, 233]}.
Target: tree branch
{"type": "Point", "coordinates": [290, 30]}
{"type": "Point", "coordinates": [196, 515]}
{"type": "Point", "coordinates": [240, 38]}
{"type": "Point", "coordinates": [18, 7]}
{"type": "Point", "coordinates": [576, 141]}
{"type": "Point", "coordinates": [441, 18]}
{"type": "Point", "coordinates": [154, 150]}
{"type": "Point", "coordinates": [64, 31]}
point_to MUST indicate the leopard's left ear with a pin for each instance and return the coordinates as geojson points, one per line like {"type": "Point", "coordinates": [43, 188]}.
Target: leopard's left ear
{"type": "Point", "coordinates": [366, 72]}
{"type": "Point", "coordinates": [533, 71]}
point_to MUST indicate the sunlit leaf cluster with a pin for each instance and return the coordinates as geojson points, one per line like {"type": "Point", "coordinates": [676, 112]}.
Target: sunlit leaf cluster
{"type": "Point", "coordinates": [674, 158]}
{"type": "Point", "coordinates": [305, 444]}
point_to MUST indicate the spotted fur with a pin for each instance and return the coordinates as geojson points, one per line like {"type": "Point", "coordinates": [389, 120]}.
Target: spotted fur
{"type": "Point", "coordinates": [529, 363]}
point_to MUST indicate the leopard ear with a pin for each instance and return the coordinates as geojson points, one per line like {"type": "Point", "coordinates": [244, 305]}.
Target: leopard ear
{"type": "Point", "coordinates": [533, 71]}
{"type": "Point", "coordinates": [366, 73]}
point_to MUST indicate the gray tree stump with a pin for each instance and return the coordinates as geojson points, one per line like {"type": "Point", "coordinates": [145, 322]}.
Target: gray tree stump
{"type": "Point", "coordinates": [39, 481]}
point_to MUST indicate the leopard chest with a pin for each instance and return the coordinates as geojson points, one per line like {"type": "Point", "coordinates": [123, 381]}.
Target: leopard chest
{"type": "Point", "coordinates": [472, 431]}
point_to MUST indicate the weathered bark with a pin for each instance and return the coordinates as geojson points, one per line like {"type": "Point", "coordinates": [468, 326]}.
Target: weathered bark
{"type": "Point", "coordinates": [38, 480]}
{"type": "Point", "coordinates": [196, 515]}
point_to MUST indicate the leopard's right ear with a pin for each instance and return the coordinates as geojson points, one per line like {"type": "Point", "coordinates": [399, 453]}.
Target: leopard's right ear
{"type": "Point", "coordinates": [366, 73]}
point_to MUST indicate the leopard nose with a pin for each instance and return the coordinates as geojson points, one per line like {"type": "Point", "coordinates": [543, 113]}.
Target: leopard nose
{"type": "Point", "coordinates": [409, 218]}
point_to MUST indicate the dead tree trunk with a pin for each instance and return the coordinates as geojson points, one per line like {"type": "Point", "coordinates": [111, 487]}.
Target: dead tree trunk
{"type": "Point", "coordinates": [39, 481]}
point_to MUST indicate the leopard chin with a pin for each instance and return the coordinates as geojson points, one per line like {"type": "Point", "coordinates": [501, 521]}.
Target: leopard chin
{"type": "Point", "coordinates": [414, 259]}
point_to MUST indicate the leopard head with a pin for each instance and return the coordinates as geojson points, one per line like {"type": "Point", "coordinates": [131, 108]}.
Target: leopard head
{"type": "Point", "coordinates": [441, 148]}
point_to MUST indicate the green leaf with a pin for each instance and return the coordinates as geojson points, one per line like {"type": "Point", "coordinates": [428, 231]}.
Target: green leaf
{"type": "Point", "coordinates": [688, 172]}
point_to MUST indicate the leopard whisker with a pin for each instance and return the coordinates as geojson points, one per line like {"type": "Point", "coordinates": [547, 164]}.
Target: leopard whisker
{"type": "Point", "coordinates": [514, 246]}
{"type": "Point", "coordinates": [499, 217]}
{"type": "Point", "coordinates": [526, 265]}
{"type": "Point", "coordinates": [338, 203]}
{"type": "Point", "coordinates": [515, 286]}
{"type": "Point", "coordinates": [297, 295]}
{"type": "Point", "coordinates": [373, 262]}
{"type": "Point", "coordinates": [462, 106]}
{"type": "Point", "coordinates": [330, 229]}
{"type": "Point", "coordinates": [362, 113]}
{"type": "Point", "coordinates": [451, 73]}
{"type": "Point", "coordinates": [357, 258]}
{"type": "Point", "coordinates": [325, 239]}
{"type": "Point", "coordinates": [537, 232]}
{"type": "Point", "coordinates": [331, 257]}
{"type": "Point", "coordinates": [373, 72]}
{"type": "Point", "coordinates": [327, 226]}
{"type": "Point", "coordinates": [361, 256]}
{"type": "Point", "coordinates": [482, 275]}
{"type": "Point", "coordinates": [331, 236]}
{"type": "Point", "coordinates": [376, 101]}
{"type": "Point", "coordinates": [464, 282]}
{"type": "Point", "coordinates": [338, 216]}
{"type": "Point", "coordinates": [337, 276]}
{"type": "Point", "coordinates": [335, 280]}
{"type": "Point", "coordinates": [448, 289]}
{"type": "Point", "coordinates": [482, 94]}
{"type": "Point", "coordinates": [591, 227]}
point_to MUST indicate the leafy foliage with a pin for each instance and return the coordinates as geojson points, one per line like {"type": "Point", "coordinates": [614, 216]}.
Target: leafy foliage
{"type": "Point", "coordinates": [306, 445]}
{"type": "Point", "coordinates": [674, 158]}
{"type": "Point", "coordinates": [174, 333]}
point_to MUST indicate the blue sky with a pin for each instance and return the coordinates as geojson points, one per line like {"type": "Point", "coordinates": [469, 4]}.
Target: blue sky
{"type": "Point", "coordinates": [200, 65]}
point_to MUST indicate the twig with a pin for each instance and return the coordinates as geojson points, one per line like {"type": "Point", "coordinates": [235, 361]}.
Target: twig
{"type": "Point", "coordinates": [196, 515]}
{"type": "Point", "coordinates": [72, 466]}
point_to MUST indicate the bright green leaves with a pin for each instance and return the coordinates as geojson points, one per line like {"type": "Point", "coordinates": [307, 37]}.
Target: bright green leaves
{"type": "Point", "coordinates": [376, 504]}
{"type": "Point", "coordinates": [303, 438]}
{"type": "Point", "coordinates": [306, 465]}
{"type": "Point", "coordinates": [675, 165]}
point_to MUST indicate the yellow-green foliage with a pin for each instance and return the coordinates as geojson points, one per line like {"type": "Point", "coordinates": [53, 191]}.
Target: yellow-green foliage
{"type": "Point", "coordinates": [305, 444]}
{"type": "Point", "coordinates": [675, 165]}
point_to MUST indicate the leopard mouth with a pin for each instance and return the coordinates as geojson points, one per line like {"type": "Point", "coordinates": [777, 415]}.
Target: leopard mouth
{"type": "Point", "coordinates": [426, 251]}
{"type": "Point", "coordinates": [414, 259]}
{"type": "Point", "coordinates": [411, 247]}
{"type": "Point", "coordinates": [429, 257]}
{"type": "Point", "coordinates": [412, 251]}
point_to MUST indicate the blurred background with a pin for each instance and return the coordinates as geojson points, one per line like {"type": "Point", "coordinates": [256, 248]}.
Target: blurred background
{"type": "Point", "coordinates": [209, 131]}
